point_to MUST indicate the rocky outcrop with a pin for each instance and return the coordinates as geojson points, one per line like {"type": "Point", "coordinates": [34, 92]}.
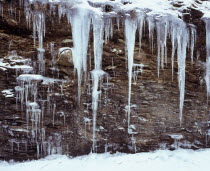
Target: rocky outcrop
{"type": "Point", "coordinates": [68, 125]}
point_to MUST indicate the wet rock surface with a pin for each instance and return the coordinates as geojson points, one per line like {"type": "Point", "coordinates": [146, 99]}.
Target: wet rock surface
{"type": "Point", "coordinates": [68, 125]}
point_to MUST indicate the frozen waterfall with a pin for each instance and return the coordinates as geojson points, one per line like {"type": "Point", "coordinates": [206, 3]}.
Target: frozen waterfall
{"type": "Point", "coordinates": [92, 25]}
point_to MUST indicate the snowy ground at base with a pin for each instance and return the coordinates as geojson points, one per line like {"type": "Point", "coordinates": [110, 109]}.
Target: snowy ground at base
{"type": "Point", "coordinates": [161, 160]}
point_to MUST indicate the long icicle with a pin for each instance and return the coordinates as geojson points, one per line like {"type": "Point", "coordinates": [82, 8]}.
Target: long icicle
{"type": "Point", "coordinates": [97, 73]}
{"type": "Point", "coordinates": [182, 40]}
{"type": "Point", "coordinates": [130, 36]}
{"type": "Point", "coordinates": [80, 22]}
{"type": "Point", "coordinates": [207, 78]}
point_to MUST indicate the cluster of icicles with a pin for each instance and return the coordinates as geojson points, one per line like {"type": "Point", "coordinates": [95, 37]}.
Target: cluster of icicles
{"type": "Point", "coordinates": [82, 20]}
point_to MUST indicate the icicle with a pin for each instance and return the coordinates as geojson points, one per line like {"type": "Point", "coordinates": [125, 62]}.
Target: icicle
{"type": "Point", "coordinates": [193, 35]}
{"type": "Point", "coordinates": [133, 140]}
{"type": "Point", "coordinates": [173, 32]}
{"type": "Point", "coordinates": [97, 73]}
{"type": "Point", "coordinates": [151, 27]}
{"type": "Point", "coordinates": [28, 15]}
{"type": "Point", "coordinates": [207, 78]}
{"type": "Point", "coordinates": [61, 11]}
{"type": "Point", "coordinates": [98, 30]}
{"type": "Point", "coordinates": [130, 34]}
{"type": "Point", "coordinates": [54, 108]}
{"type": "Point", "coordinates": [52, 51]}
{"type": "Point", "coordinates": [41, 60]}
{"type": "Point", "coordinates": [11, 11]}
{"type": "Point", "coordinates": [27, 90]}
{"type": "Point", "coordinates": [108, 29]}
{"type": "Point", "coordinates": [141, 19]}
{"type": "Point", "coordinates": [182, 41]}
{"type": "Point", "coordinates": [162, 33]}
{"type": "Point", "coordinates": [80, 22]}
{"type": "Point", "coordinates": [39, 27]}
{"type": "Point", "coordinates": [39, 30]}
{"type": "Point", "coordinates": [34, 115]}
{"type": "Point", "coordinates": [118, 23]}
{"type": "Point", "coordinates": [38, 153]}
{"type": "Point", "coordinates": [21, 2]}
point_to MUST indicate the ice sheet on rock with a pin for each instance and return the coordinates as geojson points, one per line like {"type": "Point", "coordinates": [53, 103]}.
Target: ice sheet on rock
{"type": "Point", "coordinates": [34, 77]}
{"type": "Point", "coordinates": [30, 77]}
{"type": "Point", "coordinates": [176, 136]}
{"type": "Point", "coordinates": [12, 57]}
{"type": "Point", "coordinates": [6, 65]}
{"type": "Point", "coordinates": [13, 61]}
{"type": "Point", "coordinates": [64, 49]}
{"type": "Point", "coordinates": [3, 69]}
{"type": "Point", "coordinates": [8, 93]}
{"type": "Point", "coordinates": [20, 130]}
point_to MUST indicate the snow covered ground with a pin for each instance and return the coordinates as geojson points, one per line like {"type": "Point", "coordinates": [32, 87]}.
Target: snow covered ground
{"type": "Point", "coordinates": [161, 160]}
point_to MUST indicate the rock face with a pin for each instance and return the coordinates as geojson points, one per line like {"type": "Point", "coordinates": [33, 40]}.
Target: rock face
{"type": "Point", "coordinates": [67, 125]}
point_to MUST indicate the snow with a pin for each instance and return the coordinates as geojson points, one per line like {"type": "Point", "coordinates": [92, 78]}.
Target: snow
{"type": "Point", "coordinates": [63, 50]}
{"type": "Point", "coordinates": [4, 66]}
{"type": "Point", "coordinates": [161, 160]}
{"type": "Point", "coordinates": [156, 6]}
{"type": "Point", "coordinates": [30, 77]}
{"type": "Point", "coordinates": [176, 136]}
{"type": "Point", "coordinates": [34, 77]}
{"type": "Point", "coordinates": [8, 93]}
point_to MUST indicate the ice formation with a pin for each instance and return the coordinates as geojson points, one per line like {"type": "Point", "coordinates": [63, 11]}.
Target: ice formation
{"type": "Point", "coordinates": [39, 31]}
{"type": "Point", "coordinates": [87, 17]}
{"type": "Point", "coordinates": [27, 93]}
{"type": "Point", "coordinates": [80, 22]}
{"type": "Point", "coordinates": [97, 73]}
{"type": "Point", "coordinates": [167, 26]}
{"type": "Point", "coordinates": [130, 33]}
{"type": "Point", "coordinates": [81, 16]}
{"type": "Point", "coordinates": [207, 78]}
